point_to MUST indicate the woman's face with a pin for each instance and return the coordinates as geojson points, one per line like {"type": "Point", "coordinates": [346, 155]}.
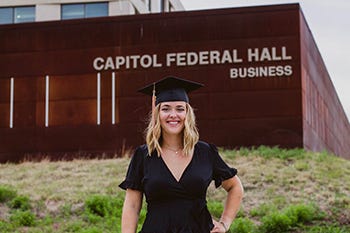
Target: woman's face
{"type": "Point", "coordinates": [172, 116]}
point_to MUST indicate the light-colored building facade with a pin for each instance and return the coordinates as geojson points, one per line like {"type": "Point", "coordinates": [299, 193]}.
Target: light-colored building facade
{"type": "Point", "coordinates": [19, 11]}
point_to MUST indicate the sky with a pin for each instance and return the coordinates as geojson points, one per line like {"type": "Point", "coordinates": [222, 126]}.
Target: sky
{"type": "Point", "coordinates": [329, 22]}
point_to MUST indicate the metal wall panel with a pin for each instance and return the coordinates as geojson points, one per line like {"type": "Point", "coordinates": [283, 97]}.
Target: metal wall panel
{"type": "Point", "coordinates": [325, 125]}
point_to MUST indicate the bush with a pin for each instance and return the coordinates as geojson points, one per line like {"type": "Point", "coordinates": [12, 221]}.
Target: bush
{"type": "Point", "coordinates": [6, 227]}
{"type": "Point", "coordinates": [20, 202]}
{"type": "Point", "coordinates": [275, 223]}
{"type": "Point", "coordinates": [7, 194]}
{"type": "Point", "coordinates": [215, 208]}
{"type": "Point", "coordinates": [300, 213]}
{"type": "Point", "coordinates": [292, 216]}
{"type": "Point", "coordinates": [263, 210]}
{"type": "Point", "coordinates": [103, 206]}
{"type": "Point", "coordinates": [242, 225]}
{"type": "Point", "coordinates": [75, 226]}
{"type": "Point", "coordinates": [23, 218]}
{"type": "Point", "coordinates": [327, 229]}
{"type": "Point", "coordinates": [98, 205]}
{"type": "Point", "coordinates": [92, 230]}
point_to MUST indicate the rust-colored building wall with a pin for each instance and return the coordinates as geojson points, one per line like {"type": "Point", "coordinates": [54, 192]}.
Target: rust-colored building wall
{"type": "Point", "coordinates": [325, 125]}
{"type": "Point", "coordinates": [263, 109]}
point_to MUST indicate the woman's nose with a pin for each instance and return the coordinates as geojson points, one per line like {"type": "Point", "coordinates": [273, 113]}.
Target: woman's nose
{"type": "Point", "coordinates": [172, 113]}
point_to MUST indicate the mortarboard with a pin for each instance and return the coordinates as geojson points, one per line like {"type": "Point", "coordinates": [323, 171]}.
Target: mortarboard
{"type": "Point", "coordinates": [170, 89]}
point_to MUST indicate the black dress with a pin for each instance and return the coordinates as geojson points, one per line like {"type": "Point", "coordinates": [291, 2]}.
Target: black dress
{"type": "Point", "coordinates": [177, 206]}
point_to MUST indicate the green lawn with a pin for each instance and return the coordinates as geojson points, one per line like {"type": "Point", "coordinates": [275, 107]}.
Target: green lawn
{"type": "Point", "coordinates": [285, 191]}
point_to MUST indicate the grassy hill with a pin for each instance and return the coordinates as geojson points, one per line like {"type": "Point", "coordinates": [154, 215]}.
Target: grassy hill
{"type": "Point", "coordinates": [285, 191]}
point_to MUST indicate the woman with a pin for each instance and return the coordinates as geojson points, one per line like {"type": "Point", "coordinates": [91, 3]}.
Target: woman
{"type": "Point", "coordinates": [174, 169]}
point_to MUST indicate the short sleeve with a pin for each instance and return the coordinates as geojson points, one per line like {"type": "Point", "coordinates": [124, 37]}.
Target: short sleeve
{"type": "Point", "coordinates": [221, 171]}
{"type": "Point", "coordinates": [134, 175]}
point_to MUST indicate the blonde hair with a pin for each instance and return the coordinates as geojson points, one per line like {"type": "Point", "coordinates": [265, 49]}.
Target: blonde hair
{"type": "Point", "coordinates": [154, 132]}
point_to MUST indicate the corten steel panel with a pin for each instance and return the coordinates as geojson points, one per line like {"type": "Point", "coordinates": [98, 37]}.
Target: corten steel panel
{"type": "Point", "coordinates": [4, 103]}
{"type": "Point", "coordinates": [5, 115]}
{"type": "Point", "coordinates": [325, 125]}
{"type": "Point", "coordinates": [17, 141]}
{"type": "Point", "coordinates": [65, 113]}
{"type": "Point", "coordinates": [4, 90]}
{"type": "Point", "coordinates": [231, 112]}
{"type": "Point", "coordinates": [73, 87]}
{"type": "Point", "coordinates": [284, 132]}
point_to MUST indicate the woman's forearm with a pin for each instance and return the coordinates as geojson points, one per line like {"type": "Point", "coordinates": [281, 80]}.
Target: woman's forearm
{"type": "Point", "coordinates": [129, 220]}
{"type": "Point", "coordinates": [131, 210]}
{"type": "Point", "coordinates": [233, 201]}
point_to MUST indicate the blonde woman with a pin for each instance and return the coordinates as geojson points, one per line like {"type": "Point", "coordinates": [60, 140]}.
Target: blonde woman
{"type": "Point", "coordinates": [174, 169]}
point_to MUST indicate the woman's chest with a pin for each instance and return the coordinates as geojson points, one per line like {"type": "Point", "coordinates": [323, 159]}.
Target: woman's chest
{"type": "Point", "coordinates": [192, 179]}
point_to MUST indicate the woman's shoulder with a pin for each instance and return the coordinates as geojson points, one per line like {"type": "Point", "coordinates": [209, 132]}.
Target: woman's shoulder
{"type": "Point", "coordinates": [205, 145]}
{"type": "Point", "coordinates": [141, 151]}
{"type": "Point", "coordinates": [202, 144]}
{"type": "Point", "coordinates": [142, 147]}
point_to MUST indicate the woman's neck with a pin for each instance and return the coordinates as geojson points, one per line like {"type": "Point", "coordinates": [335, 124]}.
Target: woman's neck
{"type": "Point", "coordinates": [172, 141]}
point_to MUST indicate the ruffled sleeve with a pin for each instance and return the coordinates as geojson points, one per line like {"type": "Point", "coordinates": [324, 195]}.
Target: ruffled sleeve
{"type": "Point", "coordinates": [221, 171]}
{"type": "Point", "coordinates": [134, 175]}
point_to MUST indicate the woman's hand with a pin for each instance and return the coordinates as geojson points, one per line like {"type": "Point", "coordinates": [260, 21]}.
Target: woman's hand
{"type": "Point", "coordinates": [218, 227]}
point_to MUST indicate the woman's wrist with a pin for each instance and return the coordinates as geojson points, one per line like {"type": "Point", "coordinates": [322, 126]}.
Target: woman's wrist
{"type": "Point", "coordinates": [224, 225]}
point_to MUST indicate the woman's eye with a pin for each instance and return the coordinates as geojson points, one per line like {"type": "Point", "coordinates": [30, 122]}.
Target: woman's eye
{"type": "Point", "coordinates": [180, 109]}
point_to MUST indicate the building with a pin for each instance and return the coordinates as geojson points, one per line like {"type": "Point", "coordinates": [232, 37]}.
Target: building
{"type": "Point", "coordinates": [20, 11]}
{"type": "Point", "coordinates": [71, 86]}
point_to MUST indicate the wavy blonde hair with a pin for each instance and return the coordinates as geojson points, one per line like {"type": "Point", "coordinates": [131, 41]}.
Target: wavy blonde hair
{"type": "Point", "coordinates": [154, 132]}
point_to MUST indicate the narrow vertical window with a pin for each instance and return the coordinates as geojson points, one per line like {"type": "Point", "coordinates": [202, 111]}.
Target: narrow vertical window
{"type": "Point", "coordinates": [98, 99]}
{"type": "Point", "coordinates": [47, 96]}
{"type": "Point", "coordinates": [113, 98]}
{"type": "Point", "coordinates": [12, 85]}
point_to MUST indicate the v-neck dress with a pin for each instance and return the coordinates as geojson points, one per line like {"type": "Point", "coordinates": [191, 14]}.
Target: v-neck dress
{"type": "Point", "coordinates": [177, 206]}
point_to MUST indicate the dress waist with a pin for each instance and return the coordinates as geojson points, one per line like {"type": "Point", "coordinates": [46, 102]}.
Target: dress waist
{"type": "Point", "coordinates": [194, 211]}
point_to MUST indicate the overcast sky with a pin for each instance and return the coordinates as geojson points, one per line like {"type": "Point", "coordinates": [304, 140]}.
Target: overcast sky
{"type": "Point", "coordinates": [329, 22]}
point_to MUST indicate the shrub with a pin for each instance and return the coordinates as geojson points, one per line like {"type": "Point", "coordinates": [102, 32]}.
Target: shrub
{"type": "Point", "coordinates": [6, 227]}
{"type": "Point", "coordinates": [20, 202]}
{"type": "Point", "coordinates": [7, 194]}
{"type": "Point", "coordinates": [276, 152]}
{"type": "Point", "coordinates": [300, 213]}
{"type": "Point", "coordinates": [92, 230]}
{"type": "Point", "coordinates": [242, 225]}
{"type": "Point", "coordinates": [292, 216]}
{"type": "Point", "coordinates": [103, 206]}
{"type": "Point", "coordinates": [23, 218]}
{"type": "Point", "coordinates": [263, 210]}
{"type": "Point", "coordinates": [327, 229]}
{"type": "Point", "coordinates": [275, 223]}
{"type": "Point", "coordinates": [75, 226]}
{"type": "Point", "coordinates": [98, 205]}
{"type": "Point", "coordinates": [215, 208]}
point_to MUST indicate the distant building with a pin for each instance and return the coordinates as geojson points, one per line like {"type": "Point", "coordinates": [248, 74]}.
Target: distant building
{"type": "Point", "coordinates": [20, 11]}
{"type": "Point", "coordinates": [70, 86]}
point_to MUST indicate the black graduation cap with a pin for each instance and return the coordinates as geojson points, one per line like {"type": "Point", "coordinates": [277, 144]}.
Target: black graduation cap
{"type": "Point", "coordinates": [171, 89]}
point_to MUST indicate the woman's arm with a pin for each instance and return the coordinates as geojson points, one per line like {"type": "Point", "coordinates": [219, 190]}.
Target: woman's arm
{"type": "Point", "coordinates": [131, 210]}
{"type": "Point", "coordinates": [234, 189]}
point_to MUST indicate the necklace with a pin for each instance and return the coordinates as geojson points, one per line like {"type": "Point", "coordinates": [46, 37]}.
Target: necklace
{"type": "Point", "coordinates": [176, 151]}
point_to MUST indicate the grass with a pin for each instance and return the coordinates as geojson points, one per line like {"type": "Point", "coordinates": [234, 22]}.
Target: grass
{"type": "Point", "coordinates": [285, 191]}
